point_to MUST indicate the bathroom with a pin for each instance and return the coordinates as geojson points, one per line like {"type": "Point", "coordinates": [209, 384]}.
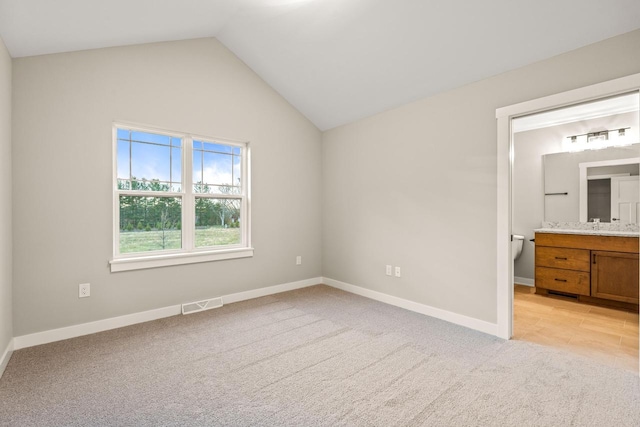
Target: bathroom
{"type": "Point", "coordinates": [570, 167]}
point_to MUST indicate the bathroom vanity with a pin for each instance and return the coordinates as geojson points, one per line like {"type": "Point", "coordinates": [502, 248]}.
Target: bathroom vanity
{"type": "Point", "coordinates": [595, 267]}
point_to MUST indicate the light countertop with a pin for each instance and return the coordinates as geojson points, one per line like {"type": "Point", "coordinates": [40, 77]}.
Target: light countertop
{"type": "Point", "coordinates": [588, 232]}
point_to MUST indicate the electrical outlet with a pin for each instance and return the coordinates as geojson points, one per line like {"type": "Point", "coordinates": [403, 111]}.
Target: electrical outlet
{"type": "Point", "coordinates": [389, 270]}
{"type": "Point", "coordinates": [84, 290]}
{"type": "Point", "coordinates": [397, 271]}
{"type": "Point", "coordinates": [299, 260]}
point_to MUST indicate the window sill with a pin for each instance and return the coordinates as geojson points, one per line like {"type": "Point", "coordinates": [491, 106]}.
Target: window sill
{"type": "Point", "coordinates": [139, 263]}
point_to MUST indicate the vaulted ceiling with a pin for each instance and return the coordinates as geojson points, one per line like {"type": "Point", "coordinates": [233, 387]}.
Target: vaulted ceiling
{"type": "Point", "coordinates": [335, 60]}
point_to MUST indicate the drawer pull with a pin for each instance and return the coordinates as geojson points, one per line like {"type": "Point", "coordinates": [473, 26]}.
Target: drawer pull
{"type": "Point", "coordinates": [560, 280]}
{"type": "Point", "coordinates": [564, 259]}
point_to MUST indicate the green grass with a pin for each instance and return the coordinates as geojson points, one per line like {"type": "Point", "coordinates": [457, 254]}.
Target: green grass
{"type": "Point", "coordinates": [215, 236]}
{"type": "Point", "coordinates": [145, 241]}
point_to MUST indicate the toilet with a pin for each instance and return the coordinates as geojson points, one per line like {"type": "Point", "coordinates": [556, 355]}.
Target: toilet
{"type": "Point", "coordinates": [516, 246]}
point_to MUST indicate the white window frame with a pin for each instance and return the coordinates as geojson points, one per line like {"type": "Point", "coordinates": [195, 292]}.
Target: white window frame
{"type": "Point", "coordinates": [189, 253]}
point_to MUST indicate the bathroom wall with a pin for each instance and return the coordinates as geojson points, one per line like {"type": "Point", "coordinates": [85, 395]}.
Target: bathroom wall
{"type": "Point", "coordinates": [528, 180]}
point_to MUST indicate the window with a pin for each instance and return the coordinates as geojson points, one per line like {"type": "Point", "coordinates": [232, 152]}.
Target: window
{"type": "Point", "coordinates": [178, 198]}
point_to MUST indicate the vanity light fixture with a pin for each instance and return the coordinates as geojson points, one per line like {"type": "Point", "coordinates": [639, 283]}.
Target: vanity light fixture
{"type": "Point", "coordinates": [597, 140]}
{"type": "Point", "coordinates": [598, 136]}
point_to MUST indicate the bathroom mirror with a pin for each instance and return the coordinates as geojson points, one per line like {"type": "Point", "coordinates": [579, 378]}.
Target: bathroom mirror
{"type": "Point", "coordinates": [582, 185]}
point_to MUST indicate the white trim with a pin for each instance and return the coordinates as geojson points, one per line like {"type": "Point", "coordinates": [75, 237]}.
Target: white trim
{"type": "Point", "coordinates": [138, 263]}
{"type": "Point", "coordinates": [504, 274]}
{"type": "Point", "coordinates": [74, 331]}
{"type": "Point", "coordinates": [188, 253]}
{"type": "Point", "coordinates": [187, 221]}
{"type": "Point", "coordinates": [504, 262]}
{"type": "Point", "coordinates": [458, 319]}
{"type": "Point", "coordinates": [145, 316]}
{"type": "Point", "coordinates": [4, 360]}
{"type": "Point", "coordinates": [115, 197]}
{"type": "Point", "coordinates": [584, 187]}
{"type": "Point", "coordinates": [245, 216]}
{"type": "Point", "coordinates": [627, 103]}
{"type": "Point", "coordinates": [524, 281]}
{"type": "Point", "coordinates": [613, 87]}
{"type": "Point", "coordinates": [607, 176]}
{"type": "Point", "coordinates": [270, 290]}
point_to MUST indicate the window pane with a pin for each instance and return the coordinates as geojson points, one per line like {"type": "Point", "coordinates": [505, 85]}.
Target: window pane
{"type": "Point", "coordinates": [218, 148]}
{"type": "Point", "coordinates": [150, 137]}
{"type": "Point", "coordinates": [150, 162]}
{"type": "Point", "coordinates": [123, 160]}
{"type": "Point", "coordinates": [150, 223]}
{"type": "Point", "coordinates": [217, 222]}
{"type": "Point", "coordinates": [176, 169]}
{"type": "Point", "coordinates": [236, 170]}
{"type": "Point", "coordinates": [124, 134]}
{"type": "Point", "coordinates": [224, 189]}
{"type": "Point", "coordinates": [153, 167]}
{"type": "Point", "coordinates": [216, 168]}
{"type": "Point", "coordinates": [197, 170]}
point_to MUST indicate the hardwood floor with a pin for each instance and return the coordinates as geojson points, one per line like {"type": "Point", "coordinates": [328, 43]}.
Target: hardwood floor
{"type": "Point", "coordinates": [606, 334]}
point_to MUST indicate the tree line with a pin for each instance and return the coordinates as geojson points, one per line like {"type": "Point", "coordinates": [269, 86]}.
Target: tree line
{"type": "Point", "coordinates": [147, 213]}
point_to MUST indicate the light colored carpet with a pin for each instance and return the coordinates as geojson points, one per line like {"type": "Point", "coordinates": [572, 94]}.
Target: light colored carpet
{"type": "Point", "coordinates": [313, 357]}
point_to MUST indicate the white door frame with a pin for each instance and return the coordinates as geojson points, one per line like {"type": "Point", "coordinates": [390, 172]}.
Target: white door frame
{"type": "Point", "coordinates": [504, 264]}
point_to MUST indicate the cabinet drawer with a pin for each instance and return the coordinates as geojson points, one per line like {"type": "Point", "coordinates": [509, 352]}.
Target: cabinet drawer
{"type": "Point", "coordinates": [569, 281]}
{"type": "Point", "coordinates": [569, 259]}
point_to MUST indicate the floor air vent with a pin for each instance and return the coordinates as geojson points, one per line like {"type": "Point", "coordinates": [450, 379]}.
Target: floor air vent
{"type": "Point", "coordinates": [206, 304]}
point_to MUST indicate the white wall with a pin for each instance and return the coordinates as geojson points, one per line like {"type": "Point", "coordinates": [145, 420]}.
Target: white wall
{"type": "Point", "coordinates": [528, 177]}
{"type": "Point", "coordinates": [64, 105]}
{"type": "Point", "coordinates": [413, 187]}
{"type": "Point", "coordinates": [6, 321]}
{"type": "Point", "coordinates": [416, 186]}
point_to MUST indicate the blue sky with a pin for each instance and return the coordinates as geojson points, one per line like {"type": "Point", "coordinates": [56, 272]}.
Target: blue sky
{"type": "Point", "coordinates": [154, 156]}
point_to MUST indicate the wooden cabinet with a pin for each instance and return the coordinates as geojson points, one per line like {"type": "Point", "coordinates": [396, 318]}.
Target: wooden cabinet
{"type": "Point", "coordinates": [591, 267]}
{"type": "Point", "coordinates": [614, 275]}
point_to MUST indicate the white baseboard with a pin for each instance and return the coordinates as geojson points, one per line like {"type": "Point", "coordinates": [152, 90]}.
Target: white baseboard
{"type": "Point", "coordinates": [270, 290]}
{"type": "Point", "coordinates": [458, 319]}
{"type": "Point", "coordinates": [45, 337]}
{"type": "Point", "coordinates": [524, 281]}
{"type": "Point", "coordinates": [74, 331]}
{"type": "Point", "coordinates": [4, 359]}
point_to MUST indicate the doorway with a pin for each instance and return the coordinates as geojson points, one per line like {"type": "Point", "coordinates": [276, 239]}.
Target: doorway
{"type": "Point", "coordinates": [505, 272]}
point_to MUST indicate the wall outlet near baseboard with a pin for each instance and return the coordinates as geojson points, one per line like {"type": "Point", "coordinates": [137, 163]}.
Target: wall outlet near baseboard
{"type": "Point", "coordinates": [84, 290]}
{"type": "Point", "coordinates": [389, 270]}
{"type": "Point", "coordinates": [398, 272]}
{"type": "Point", "coordinates": [299, 260]}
